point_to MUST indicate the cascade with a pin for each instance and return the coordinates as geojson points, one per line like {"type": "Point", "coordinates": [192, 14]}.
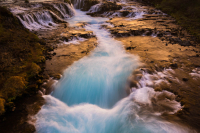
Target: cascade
{"type": "Point", "coordinates": [41, 18]}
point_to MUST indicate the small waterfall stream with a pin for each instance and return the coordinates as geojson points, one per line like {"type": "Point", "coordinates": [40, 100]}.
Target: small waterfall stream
{"type": "Point", "coordinates": [90, 97]}
{"type": "Point", "coordinates": [44, 18]}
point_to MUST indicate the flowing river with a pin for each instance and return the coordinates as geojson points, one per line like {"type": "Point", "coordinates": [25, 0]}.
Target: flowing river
{"type": "Point", "coordinates": [90, 97]}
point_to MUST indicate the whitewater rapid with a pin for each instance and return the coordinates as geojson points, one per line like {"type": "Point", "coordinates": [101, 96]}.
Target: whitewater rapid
{"type": "Point", "coordinates": [90, 97]}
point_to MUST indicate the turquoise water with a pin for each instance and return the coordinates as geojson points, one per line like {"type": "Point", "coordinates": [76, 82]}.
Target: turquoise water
{"type": "Point", "coordinates": [90, 97]}
{"type": "Point", "coordinates": [99, 78]}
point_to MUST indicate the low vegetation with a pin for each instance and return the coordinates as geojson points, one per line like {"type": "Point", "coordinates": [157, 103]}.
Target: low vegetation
{"type": "Point", "coordinates": [186, 12]}
{"type": "Point", "coordinates": [21, 58]}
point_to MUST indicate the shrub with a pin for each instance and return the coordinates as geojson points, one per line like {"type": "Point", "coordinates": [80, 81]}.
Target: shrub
{"type": "Point", "coordinates": [34, 70]}
{"type": "Point", "coordinates": [2, 109]}
{"type": "Point", "coordinates": [14, 87]}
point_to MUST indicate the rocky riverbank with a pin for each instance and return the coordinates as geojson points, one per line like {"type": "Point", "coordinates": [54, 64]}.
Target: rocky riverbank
{"type": "Point", "coordinates": [162, 45]}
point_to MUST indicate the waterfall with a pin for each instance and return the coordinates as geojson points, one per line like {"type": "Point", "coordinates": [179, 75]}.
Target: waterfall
{"type": "Point", "coordinates": [41, 17]}
{"type": "Point", "coordinates": [37, 20]}
{"type": "Point", "coordinates": [66, 10]}
{"type": "Point", "coordinates": [95, 8]}
{"type": "Point", "coordinates": [78, 4]}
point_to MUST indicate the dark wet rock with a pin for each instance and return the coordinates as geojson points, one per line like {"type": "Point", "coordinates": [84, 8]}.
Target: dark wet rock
{"type": "Point", "coordinates": [130, 32]}
{"type": "Point", "coordinates": [160, 35]}
{"type": "Point", "coordinates": [173, 65]}
{"type": "Point", "coordinates": [174, 33]}
{"type": "Point", "coordinates": [48, 57]}
{"type": "Point", "coordinates": [84, 52]}
{"type": "Point", "coordinates": [185, 79]}
{"type": "Point", "coordinates": [86, 35]}
{"type": "Point", "coordinates": [121, 25]}
{"type": "Point", "coordinates": [70, 36]}
{"type": "Point", "coordinates": [185, 43]}
{"type": "Point", "coordinates": [147, 70]}
{"type": "Point", "coordinates": [148, 33]}
{"type": "Point", "coordinates": [121, 34]}
{"type": "Point", "coordinates": [177, 40]}
{"type": "Point", "coordinates": [124, 13]}
{"type": "Point", "coordinates": [137, 32]}
{"type": "Point", "coordinates": [130, 48]}
{"type": "Point", "coordinates": [133, 83]}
